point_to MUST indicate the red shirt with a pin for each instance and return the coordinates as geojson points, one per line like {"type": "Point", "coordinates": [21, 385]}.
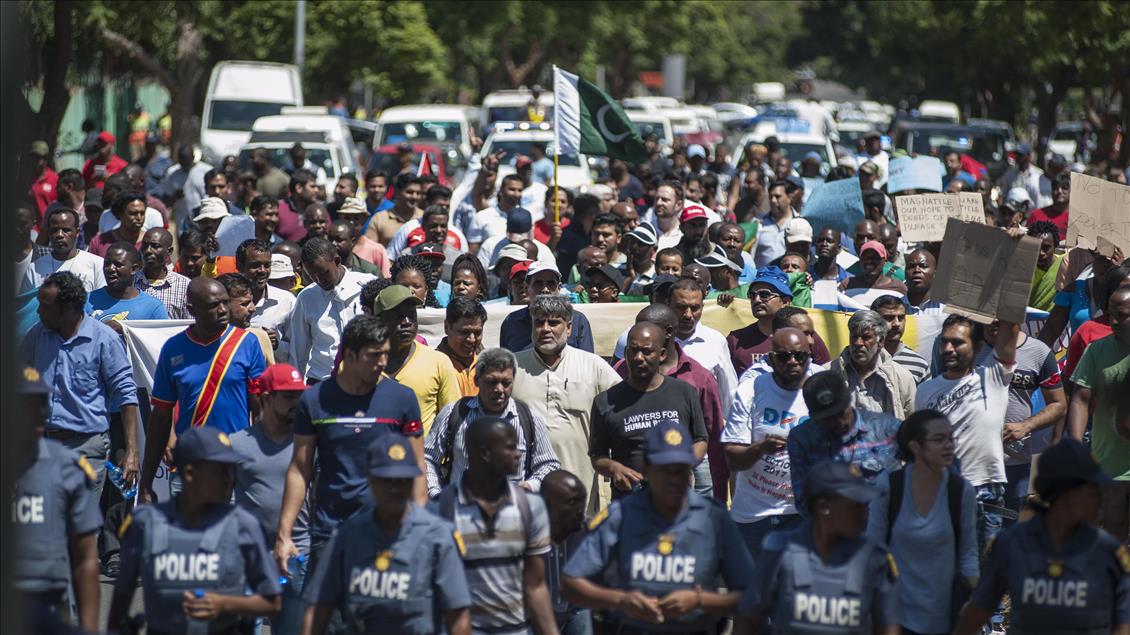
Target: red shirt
{"type": "Point", "coordinates": [748, 345]}
{"type": "Point", "coordinates": [543, 229]}
{"type": "Point", "coordinates": [113, 165]}
{"type": "Point", "coordinates": [290, 222]}
{"type": "Point", "coordinates": [43, 191]}
{"type": "Point", "coordinates": [100, 244]}
{"type": "Point", "coordinates": [695, 374]}
{"type": "Point", "coordinates": [1087, 332]}
{"type": "Point", "coordinates": [1048, 214]}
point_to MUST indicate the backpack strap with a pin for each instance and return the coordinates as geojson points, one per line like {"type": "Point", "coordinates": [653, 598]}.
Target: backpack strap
{"type": "Point", "coordinates": [526, 421]}
{"type": "Point", "coordinates": [447, 503]}
{"type": "Point", "coordinates": [454, 422]}
{"type": "Point", "coordinates": [894, 501]}
{"type": "Point", "coordinates": [954, 488]}
{"type": "Point", "coordinates": [521, 499]}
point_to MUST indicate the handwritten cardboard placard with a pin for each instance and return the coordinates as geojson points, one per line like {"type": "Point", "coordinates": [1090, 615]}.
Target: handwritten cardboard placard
{"type": "Point", "coordinates": [915, 173]}
{"type": "Point", "coordinates": [983, 273]}
{"type": "Point", "coordinates": [922, 217]}
{"type": "Point", "coordinates": [838, 204]}
{"type": "Point", "coordinates": [1099, 215]}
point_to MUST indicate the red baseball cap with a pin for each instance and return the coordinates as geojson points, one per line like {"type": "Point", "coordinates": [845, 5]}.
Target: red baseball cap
{"type": "Point", "coordinates": [876, 245]}
{"type": "Point", "coordinates": [691, 212]}
{"type": "Point", "coordinates": [416, 237]}
{"type": "Point", "coordinates": [522, 161]}
{"type": "Point", "coordinates": [107, 138]}
{"type": "Point", "coordinates": [278, 378]}
{"type": "Point", "coordinates": [520, 267]}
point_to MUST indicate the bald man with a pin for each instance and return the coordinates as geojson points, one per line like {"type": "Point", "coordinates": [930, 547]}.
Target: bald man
{"type": "Point", "coordinates": [565, 500]}
{"type": "Point", "coordinates": [158, 279]}
{"type": "Point", "coordinates": [679, 365]}
{"type": "Point", "coordinates": [622, 414]}
{"type": "Point", "coordinates": [766, 407]}
{"type": "Point", "coordinates": [206, 369]}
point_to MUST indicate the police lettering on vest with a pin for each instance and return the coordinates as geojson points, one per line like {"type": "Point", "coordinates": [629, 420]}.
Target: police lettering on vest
{"type": "Point", "coordinates": [653, 567]}
{"type": "Point", "coordinates": [828, 611]}
{"type": "Point", "coordinates": [180, 567]}
{"type": "Point", "coordinates": [1065, 593]}
{"type": "Point", "coordinates": [28, 510]}
{"type": "Point", "coordinates": [387, 585]}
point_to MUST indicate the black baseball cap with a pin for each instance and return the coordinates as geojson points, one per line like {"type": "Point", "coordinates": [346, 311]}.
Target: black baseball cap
{"type": "Point", "coordinates": [826, 394]}
{"type": "Point", "coordinates": [205, 443]}
{"type": "Point", "coordinates": [1065, 466]}
{"type": "Point", "coordinates": [608, 271]}
{"type": "Point", "coordinates": [838, 478]}
{"type": "Point", "coordinates": [661, 280]}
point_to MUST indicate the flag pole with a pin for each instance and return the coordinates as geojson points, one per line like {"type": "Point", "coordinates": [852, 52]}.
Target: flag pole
{"type": "Point", "coordinates": [556, 187]}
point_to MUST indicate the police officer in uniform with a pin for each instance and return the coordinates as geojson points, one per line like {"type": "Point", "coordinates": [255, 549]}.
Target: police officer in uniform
{"type": "Point", "coordinates": [656, 556]}
{"type": "Point", "coordinates": [824, 576]}
{"type": "Point", "coordinates": [197, 555]}
{"type": "Point", "coordinates": [393, 566]}
{"type": "Point", "coordinates": [55, 514]}
{"type": "Point", "coordinates": [1064, 575]}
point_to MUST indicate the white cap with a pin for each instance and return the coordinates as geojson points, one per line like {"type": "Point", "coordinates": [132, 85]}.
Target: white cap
{"type": "Point", "coordinates": [539, 266]}
{"type": "Point", "coordinates": [1016, 196]}
{"type": "Point", "coordinates": [212, 208]}
{"type": "Point", "coordinates": [600, 190]}
{"type": "Point", "coordinates": [281, 267]}
{"type": "Point", "coordinates": [353, 205]}
{"type": "Point", "coordinates": [798, 230]}
{"type": "Point", "coordinates": [513, 251]}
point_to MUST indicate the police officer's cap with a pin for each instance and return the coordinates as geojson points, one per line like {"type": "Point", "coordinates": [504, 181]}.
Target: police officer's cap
{"type": "Point", "coordinates": [668, 443]}
{"type": "Point", "coordinates": [1064, 466]}
{"type": "Point", "coordinates": [840, 479]}
{"type": "Point", "coordinates": [31, 383]}
{"type": "Point", "coordinates": [204, 444]}
{"type": "Point", "coordinates": [826, 394]}
{"type": "Point", "coordinates": [392, 456]}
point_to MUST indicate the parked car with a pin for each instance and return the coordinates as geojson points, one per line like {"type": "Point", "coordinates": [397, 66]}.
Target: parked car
{"type": "Point", "coordinates": [510, 106]}
{"type": "Point", "coordinates": [239, 93]}
{"type": "Point", "coordinates": [574, 171]}
{"type": "Point", "coordinates": [987, 145]}
{"type": "Point", "coordinates": [387, 158]}
{"type": "Point", "coordinates": [427, 124]}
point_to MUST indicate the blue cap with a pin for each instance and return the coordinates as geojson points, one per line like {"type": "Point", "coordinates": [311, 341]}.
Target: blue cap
{"type": "Point", "coordinates": [838, 478]}
{"type": "Point", "coordinates": [205, 443]}
{"type": "Point", "coordinates": [31, 383]}
{"type": "Point", "coordinates": [812, 156]}
{"type": "Point", "coordinates": [774, 277]}
{"type": "Point", "coordinates": [795, 181]}
{"type": "Point", "coordinates": [1024, 149]}
{"type": "Point", "coordinates": [668, 443]}
{"type": "Point", "coordinates": [392, 456]}
{"type": "Point", "coordinates": [1064, 466]}
{"type": "Point", "coordinates": [519, 221]}
{"type": "Point", "coordinates": [696, 150]}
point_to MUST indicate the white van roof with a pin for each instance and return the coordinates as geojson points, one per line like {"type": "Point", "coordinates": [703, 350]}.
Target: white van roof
{"type": "Point", "coordinates": [452, 112]}
{"type": "Point", "coordinates": [515, 98]}
{"type": "Point", "coordinates": [255, 81]}
{"type": "Point", "coordinates": [304, 122]}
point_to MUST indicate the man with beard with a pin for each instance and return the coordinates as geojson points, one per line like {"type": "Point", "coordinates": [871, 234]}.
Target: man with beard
{"type": "Point", "coordinates": [768, 293]}
{"type": "Point", "coordinates": [427, 372]}
{"type": "Point", "coordinates": [241, 308]}
{"type": "Point", "coordinates": [664, 216]}
{"type": "Point", "coordinates": [260, 478]}
{"type": "Point", "coordinates": [893, 311]}
{"type": "Point", "coordinates": [876, 382]}
{"type": "Point", "coordinates": [692, 224]}
{"type": "Point", "coordinates": [514, 334]}
{"type": "Point", "coordinates": [706, 345]}
{"type": "Point", "coordinates": [342, 233]}
{"type": "Point", "coordinates": [346, 187]}
{"type": "Point", "coordinates": [273, 306]}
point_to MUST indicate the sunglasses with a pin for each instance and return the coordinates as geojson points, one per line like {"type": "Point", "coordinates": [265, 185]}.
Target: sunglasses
{"type": "Point", "coordinates": [782, 357]}
{"type": "Point", "coordinates": [764, 295]}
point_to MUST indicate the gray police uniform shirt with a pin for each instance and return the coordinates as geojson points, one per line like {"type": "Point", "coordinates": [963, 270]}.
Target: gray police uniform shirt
{"type": "Point", "coordinates": [1083, 589]}
{"type": "Point", "coordinates": [52, 503]}
{"type": "Point", "coordinates": [260, 480]}
{"type": "Point", "coordinates": [391, 583]}
{"type": "Point", "coordinates": [225, 553]}
{"type": "Point", "coordinates": [850, 594]}
{"type": "Point", "coordinates": [655, 557]}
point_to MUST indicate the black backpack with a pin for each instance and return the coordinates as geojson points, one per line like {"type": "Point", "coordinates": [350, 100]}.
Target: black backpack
{"type": "Point", "coordinates": [459, 413]}
{"type": "Point", "coordinates": [960, 590]}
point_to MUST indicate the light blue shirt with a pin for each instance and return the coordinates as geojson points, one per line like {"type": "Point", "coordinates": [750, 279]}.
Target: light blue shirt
{"type": "Point", "coordinates": [770, 242]}
{"type": "Point", "coordinates": [86, 376]}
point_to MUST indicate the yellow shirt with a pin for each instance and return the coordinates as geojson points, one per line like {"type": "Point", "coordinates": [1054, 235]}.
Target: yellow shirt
{"type": "Point", "coordinates": [432, 377]}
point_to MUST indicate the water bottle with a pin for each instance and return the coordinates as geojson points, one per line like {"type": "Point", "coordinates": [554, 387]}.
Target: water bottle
{"type": "Point", "coordinates": [300, 558]}
{"type": "Point", "coordinates": [195, 626]}
{"type": "Point", "coordinates": [119, 480]}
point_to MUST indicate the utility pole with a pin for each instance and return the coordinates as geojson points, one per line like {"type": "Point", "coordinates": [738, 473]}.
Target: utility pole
{"type": "Point", "coordinates": [299, 33]}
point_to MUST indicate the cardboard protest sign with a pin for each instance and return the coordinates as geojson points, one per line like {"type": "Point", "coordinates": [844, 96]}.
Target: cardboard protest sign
{"type": "Point", "coordinates": [1099, 215]}
{"type": "Point", "coordinates": [983, 273]}
{"type": "Point", "coordinates": [838, 204]}
{"type": "Point", "coordinates": [917, 173]}
{"type": "Point", "coordinates": [922, 217]}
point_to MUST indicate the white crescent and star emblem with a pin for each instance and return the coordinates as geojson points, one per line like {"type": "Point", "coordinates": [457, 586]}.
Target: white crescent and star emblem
{"type": "Point", "coordinates": [604, 131]}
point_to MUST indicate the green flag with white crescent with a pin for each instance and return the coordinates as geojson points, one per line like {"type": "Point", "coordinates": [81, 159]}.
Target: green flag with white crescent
{"type": "Point", "coordinates": [587, 120]}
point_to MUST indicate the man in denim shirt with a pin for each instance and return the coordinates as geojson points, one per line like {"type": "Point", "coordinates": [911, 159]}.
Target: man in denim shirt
{"type": "Point", "coordinates": [84, 364]}
{"type": "Point", "coordinates": [836, 430]}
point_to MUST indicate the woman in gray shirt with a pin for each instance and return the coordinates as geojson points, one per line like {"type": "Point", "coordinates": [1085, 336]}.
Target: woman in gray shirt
{"type": "Point", "coordinates": [915, 517]}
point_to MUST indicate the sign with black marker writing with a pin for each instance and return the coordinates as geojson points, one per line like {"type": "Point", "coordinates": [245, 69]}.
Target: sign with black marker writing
{"type": "Point", "coordinates": [984, 273]}
{"type": "Point", "coordinates": [1099, 215]}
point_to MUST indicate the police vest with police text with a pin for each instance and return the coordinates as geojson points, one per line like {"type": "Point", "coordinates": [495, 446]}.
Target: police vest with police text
{"type": "Point", "coordinates": [818, 598]}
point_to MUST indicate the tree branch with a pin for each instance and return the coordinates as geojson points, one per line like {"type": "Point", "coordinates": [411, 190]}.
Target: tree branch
{"type": "Point", "coordinates": [135, 52]}
{"type": "Point", "coordinates": [518, 73]}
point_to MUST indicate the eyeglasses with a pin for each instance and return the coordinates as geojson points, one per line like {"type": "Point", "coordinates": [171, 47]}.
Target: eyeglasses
{"type": "Point", "coordinates": [782, 357]}
{"type": "Point", "coordinates": [941, 439]}
{"type": "Point", "coordinates": [764, 295]}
